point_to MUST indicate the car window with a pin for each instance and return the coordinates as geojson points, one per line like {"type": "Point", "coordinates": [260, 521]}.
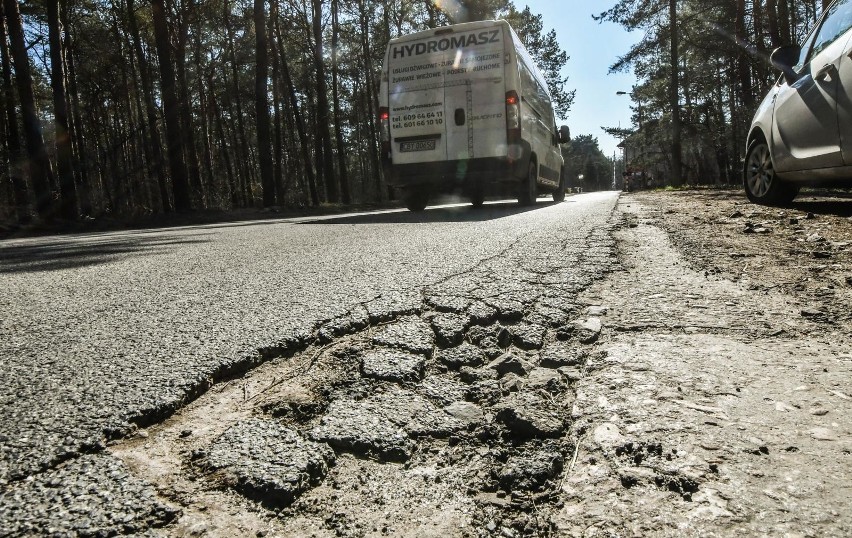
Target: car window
{"type": "Point", "coordinates": [806, 49]}
{"type": "Point", "coordinates": [836, 23]}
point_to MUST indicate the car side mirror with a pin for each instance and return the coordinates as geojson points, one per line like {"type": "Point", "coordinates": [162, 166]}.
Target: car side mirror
{"type": "Point", "coordinates": [784, 58]}
{"type": "Point", "coordinates": [564, 134]}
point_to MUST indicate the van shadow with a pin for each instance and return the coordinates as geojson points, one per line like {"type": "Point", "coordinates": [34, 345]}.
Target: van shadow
{"type": "Point", "coordinates": [55, 255]}
{"type": "Point", "coordinates": [456, 213]}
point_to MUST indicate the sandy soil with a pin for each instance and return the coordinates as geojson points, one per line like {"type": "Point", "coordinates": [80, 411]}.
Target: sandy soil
{"type": "Point", "coordinates": [722, 407]}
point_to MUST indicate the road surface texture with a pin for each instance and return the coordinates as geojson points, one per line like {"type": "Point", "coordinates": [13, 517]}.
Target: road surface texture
{"type": "Point", "coordinates": [665, 365]}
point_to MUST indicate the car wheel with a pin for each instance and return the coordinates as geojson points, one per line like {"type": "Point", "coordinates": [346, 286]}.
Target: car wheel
{"type": "Point", "coordinates": [529, 190]}
{"type": "Point", "coordinates": [416, 198]}
{"type": "Point", "coordinates": [559, 193]}
{"type": "Point", "coordinates": [761, 184]}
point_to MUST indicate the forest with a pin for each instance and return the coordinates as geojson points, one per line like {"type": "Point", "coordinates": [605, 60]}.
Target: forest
{"type": "Point", "coordinates": [136, 107]}
{"type": "Point", "coordinates": [702, 68]}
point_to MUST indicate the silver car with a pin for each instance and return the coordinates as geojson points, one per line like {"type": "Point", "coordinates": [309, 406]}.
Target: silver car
{"type": "Point", "coordinates": [802, 131]}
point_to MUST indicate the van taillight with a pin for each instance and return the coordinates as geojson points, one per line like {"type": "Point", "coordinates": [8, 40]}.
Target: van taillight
{"type": "Point", "coordinates": [513, 116]}
{"type": "Point", "coordinates": [384, 124]}
{"type": "Point", "coordinates": [384, 128]}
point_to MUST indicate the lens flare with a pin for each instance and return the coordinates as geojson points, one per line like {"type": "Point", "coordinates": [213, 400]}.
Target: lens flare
{"type": "Point", "coordinates": [453, 8]}
{"type": "Point", "coordinates": [457, 61]}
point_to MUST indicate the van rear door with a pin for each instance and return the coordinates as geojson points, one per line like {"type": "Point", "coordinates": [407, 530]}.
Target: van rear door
{"type": "Point", "coordinates": [446, 94]}
{"type": "Point", "coordinates": [416, 102]}
{"type": "Point", "coordinates": [475, 95]}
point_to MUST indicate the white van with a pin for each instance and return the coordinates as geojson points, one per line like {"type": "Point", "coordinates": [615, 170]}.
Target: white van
{"type": "Point", "coordinates": [465, 106]}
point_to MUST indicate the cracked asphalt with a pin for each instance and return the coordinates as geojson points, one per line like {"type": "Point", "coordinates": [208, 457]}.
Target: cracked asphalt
{"type": "Point", "coordinates": [102, 334]}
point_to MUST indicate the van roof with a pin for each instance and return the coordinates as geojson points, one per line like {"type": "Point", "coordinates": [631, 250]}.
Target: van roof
{"type": "Point", "coordinates": [460, 27]}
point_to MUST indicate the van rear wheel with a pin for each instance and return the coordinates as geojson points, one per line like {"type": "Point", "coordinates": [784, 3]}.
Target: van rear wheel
{"type": "Point", "coordinates": [529, 190]}
{"type": "Point", "coordinates": [416, 198]}
{"type": "Point", "coordinates": [477, 197]}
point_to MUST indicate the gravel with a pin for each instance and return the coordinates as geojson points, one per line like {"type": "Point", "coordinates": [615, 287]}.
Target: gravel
{"type": "Point", "coordinates": [93, 495]}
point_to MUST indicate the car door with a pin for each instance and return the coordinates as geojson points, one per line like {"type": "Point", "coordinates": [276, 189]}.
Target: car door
{"type": "Point", "coordinates": [806, 133]}
{"type": "Point", "coordinates": [844, 102]}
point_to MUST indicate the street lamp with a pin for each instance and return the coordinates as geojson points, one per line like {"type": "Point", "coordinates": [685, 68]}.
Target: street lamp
{"type": "Point", "coordinates": [638, 103]}
{"type": "Point", "coordinates": [638, 99]}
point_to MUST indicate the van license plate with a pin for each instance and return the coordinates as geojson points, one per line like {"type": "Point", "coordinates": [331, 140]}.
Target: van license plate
{"type": "Point", "coordinates": [417, 145]}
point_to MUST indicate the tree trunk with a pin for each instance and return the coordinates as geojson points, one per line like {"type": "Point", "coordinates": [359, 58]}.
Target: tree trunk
{"type": "Point", "coordinates": [188, 129]}
{"type": "Point", "coordinates": [78, 138]}
{"type": "Point", "coordinates": [41, 176]}
{"type": "Point", "coordinates": [205, 116]}
{"type": "Point", "coordinates": [346, 195]}
{"type": "Point", "coordinates": [743, 64]}
{"type": "Point", "coordinates": [297, 115]}
{"type": "Point", "coordinates": [13, 136]}
{"type": "Point", "coordinates": [372, 100]}
{"type": "Point", "coordinates": [244, 155]}
{"type": "Point", "coordinates": [223, 140]}
{"type": "Point", "coordinates": [141, 132]}
{"type": "Point", "coordinates": [156, 165]}
{"type": "Point", "coordinates": [784, 23]}
{"type": "Point", "coordinates": [278, 135]}
{"type": "Point", "coordinates": [261, 96]}
{"type": "Point", "coordinates": [325, 160]}
{"type": "Point", "coordinates": [674, 96]}
{"type": "Point", "coordinates": [171, 108]}
{"type": "Point", "coordinates": [772, 18]}
{"type": "Point", "coordinates": [64, 156]}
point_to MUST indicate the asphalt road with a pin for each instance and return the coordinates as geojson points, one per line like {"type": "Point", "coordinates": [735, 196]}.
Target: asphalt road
{"type": "Point", "coordinates": [101, 332]}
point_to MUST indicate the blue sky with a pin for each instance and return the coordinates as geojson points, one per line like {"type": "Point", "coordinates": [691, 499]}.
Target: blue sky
{"type": "Point", "coordinates": [593, 47]}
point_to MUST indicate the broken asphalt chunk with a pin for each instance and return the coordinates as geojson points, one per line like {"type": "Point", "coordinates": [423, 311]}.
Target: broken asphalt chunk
{"type": "Point", "coordinates": [508, 363]}
{"type": "Point", "coordinates": [92, 495]}
{"type": "Point", "coordinates": [448, 303]}
{"type": "Point", "coordinates": [507, 309]}
{"type": "Point", "coordinates": [530, 415]}
{"type": "Point", "coordinates": [463, 355]}
{"type": "Point", "coordinates": [449, 329]}
{"type": "Point", "coordinates": [381, 425]}
{"type": "Point", "coordinates": [527, 335]}
{"type": "Point", "coordinates": [411, 333]}
{"type": "Point", "coordinates": [586, 331]}
{"type": "Point", "coordinates": [530, 471]}
{"type": "Point", "coordinates": [546, 379]}
{"type": "Point", "coordinates": [268, 462]}
{"type": "Point", "coordinates": [482, 314]}
{"type": "Point", "coordinates": [466, 412]}
{"type": "Point", "coordinates": [392, 365]}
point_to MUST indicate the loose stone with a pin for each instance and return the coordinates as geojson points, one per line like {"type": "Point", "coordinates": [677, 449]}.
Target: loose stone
{"type": "Point", "coordinates": [559, 354]}
{"type": "Point", "coordinates": [509, 363]}
{"type": "Point", "coordinates": [530, 415]}
{"type": "Point", "coordinates": [530, 471]}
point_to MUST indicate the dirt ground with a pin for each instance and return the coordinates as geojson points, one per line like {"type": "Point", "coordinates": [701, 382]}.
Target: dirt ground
{"type": "Point", "coordinates": [722, 406]}
{"type": "Point", "coordinates": [701, 388]}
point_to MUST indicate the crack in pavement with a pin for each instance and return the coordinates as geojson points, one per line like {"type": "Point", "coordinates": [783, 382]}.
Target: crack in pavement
{"type": "Point", "coordinates": [454, 423]}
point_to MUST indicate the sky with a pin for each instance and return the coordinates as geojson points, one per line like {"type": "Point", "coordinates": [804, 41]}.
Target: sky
{"type": "Point", "coordinates": [593, 47]}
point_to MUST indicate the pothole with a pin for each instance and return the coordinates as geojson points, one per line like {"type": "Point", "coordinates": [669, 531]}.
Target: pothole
{"type": "Point", "coordinates": [448, 415]}
{"type": "Point", "coordinates": [436, 399]}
